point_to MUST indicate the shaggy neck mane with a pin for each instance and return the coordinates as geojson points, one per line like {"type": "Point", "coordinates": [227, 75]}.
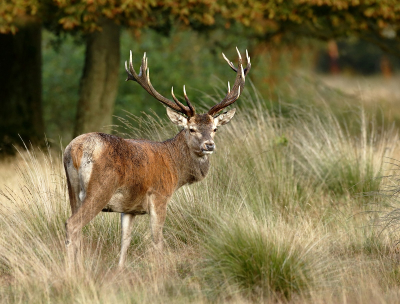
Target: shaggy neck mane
{"type": "Point", "coordinates": [191, 168]}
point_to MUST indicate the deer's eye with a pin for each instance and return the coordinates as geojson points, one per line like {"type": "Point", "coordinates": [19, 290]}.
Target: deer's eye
{"type": "Point", "coordinates": [192, 130]}
{"type": "Point", "coordinates": [215, 130]}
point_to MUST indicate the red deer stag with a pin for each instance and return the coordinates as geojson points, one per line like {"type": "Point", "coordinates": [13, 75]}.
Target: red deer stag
{"type": "Point", "coordinates": [131, 176]}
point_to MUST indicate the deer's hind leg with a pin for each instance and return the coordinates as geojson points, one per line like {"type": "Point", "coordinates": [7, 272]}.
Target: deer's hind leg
{"type": "Point", "coordinates": [73, 187]}
{"type": "Point", "coordinates": [97, 194]}
{"type": "Point", "coordinates": [74, 200]}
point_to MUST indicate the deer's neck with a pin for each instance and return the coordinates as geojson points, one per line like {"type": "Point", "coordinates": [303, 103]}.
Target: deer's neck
{"type": "Point", "coordinates": [190, 167]}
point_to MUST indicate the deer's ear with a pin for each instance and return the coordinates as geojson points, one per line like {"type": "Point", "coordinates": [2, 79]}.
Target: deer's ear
{"type": "Point", "coordinates": [177, 118]}
{"type": "Point", "coordinates": [224, 118]}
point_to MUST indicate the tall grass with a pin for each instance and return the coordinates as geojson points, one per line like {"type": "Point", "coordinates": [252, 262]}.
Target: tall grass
{"type": "Point", "coordinates": [340, 161]}
{"type": "Point", "coordinates": [277, 219]}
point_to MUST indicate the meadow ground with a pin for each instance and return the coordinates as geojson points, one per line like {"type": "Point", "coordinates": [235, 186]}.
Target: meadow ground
{"type": "Point", "coordinates": [293, 211]}
{"type": "Point", "coordinates": [375, 92]}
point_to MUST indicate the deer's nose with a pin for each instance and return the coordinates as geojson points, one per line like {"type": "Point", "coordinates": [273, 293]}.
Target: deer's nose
{"type": "Point", "coordinates": [209, 146]}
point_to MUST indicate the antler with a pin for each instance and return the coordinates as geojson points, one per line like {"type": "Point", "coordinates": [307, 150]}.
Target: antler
{"type": "Point", "coordinates": [144, 80]}
{"type": "Point", "coordinates": [238, 86]}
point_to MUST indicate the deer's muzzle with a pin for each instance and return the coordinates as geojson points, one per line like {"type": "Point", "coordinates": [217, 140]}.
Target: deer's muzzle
{"type": "Point", "coordinates": [208, 147]}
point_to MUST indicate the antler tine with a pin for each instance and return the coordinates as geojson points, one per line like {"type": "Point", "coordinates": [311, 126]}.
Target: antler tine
{"type": "Point", "coordinates": [246, 70]}
{"type": "Point", "coordinates": [247, 57]}
{"type": "Point", "coordinates": [188, 101]}
{"type": "Point", "coordinates": [240, 56]}
{"type": "Point", "coordinates": [229, 62]}
{"type": "Point", "coordinates": [144, 80]}
{"type": "Point", "coordinates": [181, 105]}
{"type": "Point", "coordinates": [131, 70]}
{"type": "Point", "coordinates": [143, 66]}
{"type": "Point", "coordinates": [234, 93]}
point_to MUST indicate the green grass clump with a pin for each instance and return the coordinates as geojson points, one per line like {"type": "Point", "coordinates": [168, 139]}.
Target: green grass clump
{"type": "Point", "coordinates": [254, 257]}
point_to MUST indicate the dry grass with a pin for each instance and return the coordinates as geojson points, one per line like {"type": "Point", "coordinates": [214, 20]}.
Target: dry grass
{"type": "Point", "coordinates": [374, 89]}
{"type": "Point", "coordinates": [377, 93]}
{"type": "Point", "coordinates": [278, 219]}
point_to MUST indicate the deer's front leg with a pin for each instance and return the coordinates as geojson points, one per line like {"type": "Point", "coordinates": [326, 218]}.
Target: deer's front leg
{"type": "Point", "coordinates": [126, 236]}
{"type": "Point", "coordinates": [158, 212]}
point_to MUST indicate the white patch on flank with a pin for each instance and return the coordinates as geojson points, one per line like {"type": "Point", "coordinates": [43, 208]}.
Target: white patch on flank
{"type": "Point", "coordinates": [82, 195]}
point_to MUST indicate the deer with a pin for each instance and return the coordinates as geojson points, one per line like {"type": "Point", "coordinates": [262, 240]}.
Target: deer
{"type": "Point", "coordinates": [106, 173]}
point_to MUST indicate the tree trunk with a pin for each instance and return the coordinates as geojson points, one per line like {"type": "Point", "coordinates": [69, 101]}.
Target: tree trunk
{"type": "Point", "coordinates": [21, 88]}
{"type": "Point", "coordinates": [99, 82]}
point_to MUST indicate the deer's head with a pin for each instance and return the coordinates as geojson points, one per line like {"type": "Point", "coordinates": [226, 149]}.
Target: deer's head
{"type": "Point", "coordinates": [200, 129]}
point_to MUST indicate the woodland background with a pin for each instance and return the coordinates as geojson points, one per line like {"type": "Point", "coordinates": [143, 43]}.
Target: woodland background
{"type": "Point", "coordinates": [62, 61]}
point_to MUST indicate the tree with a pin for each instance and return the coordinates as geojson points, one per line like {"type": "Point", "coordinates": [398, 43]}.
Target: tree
{"type": "Point", "coordinates": [99, 82]}
{"type": "Point", "coordinates": [20, 77]}
{"type": "Point", "coordinates": [100, 22]}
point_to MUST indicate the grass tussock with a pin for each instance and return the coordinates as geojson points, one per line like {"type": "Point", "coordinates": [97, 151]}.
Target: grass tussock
{"type": "Point", "coordinates": [280, 218]}
{"type": "Point", "coordinates": [253, 257]}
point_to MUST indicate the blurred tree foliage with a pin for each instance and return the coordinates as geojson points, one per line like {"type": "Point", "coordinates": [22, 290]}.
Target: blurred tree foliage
{"type": "Point", "coordinates": [15, 14]}
{"type": "Point", "coordinates": [358, 56]}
